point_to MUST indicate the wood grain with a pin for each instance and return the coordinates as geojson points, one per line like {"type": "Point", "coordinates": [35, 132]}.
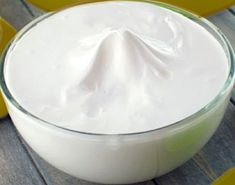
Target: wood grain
{"type": "Point", "coordinates": [15, 166]}
{"type": "Point", "coordinates": [33, 10]}
{"type": "Point", "coordinates": [15, 13]}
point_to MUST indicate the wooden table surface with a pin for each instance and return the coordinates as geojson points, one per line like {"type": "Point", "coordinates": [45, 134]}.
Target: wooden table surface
{"type": "Point", "coordinates": [19, 165]}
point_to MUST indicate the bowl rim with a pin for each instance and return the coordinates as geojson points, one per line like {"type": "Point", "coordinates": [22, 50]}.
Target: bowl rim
{"type": "Point", "coordinates": [209, 106]}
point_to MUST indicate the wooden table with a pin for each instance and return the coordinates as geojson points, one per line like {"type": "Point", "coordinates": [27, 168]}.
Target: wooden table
{"type": "Point", "coordinates": [19, 165]}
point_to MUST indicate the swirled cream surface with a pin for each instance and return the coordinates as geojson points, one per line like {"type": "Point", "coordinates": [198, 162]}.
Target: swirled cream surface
{"type": "Point", "coordinates": [115, 67]}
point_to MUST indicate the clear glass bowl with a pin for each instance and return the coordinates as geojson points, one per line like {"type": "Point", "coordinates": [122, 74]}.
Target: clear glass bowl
{"type": "Point", "coordinates": [122, 158]}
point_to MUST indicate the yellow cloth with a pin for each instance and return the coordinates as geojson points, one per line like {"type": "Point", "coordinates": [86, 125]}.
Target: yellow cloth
{"type": "Point", "coordinates": [6, 33]}
{"type": "Point", "coordinates": [228, 178]}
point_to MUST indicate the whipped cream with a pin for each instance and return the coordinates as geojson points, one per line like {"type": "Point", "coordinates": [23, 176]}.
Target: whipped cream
{"type": "Point", "coordinates": [115, 67]}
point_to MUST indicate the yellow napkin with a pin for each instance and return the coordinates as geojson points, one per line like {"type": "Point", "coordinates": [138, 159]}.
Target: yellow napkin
{"type": "Point", "coordinates": [228, 178]}
{"type": "Point", "coordinates": [6, 33]}
{"type": "Point", "coordinates": [200, 7]}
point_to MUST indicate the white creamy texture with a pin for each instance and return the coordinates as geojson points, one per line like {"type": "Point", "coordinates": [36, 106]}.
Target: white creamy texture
{"type": "Point", "coordinates": [115, 67]}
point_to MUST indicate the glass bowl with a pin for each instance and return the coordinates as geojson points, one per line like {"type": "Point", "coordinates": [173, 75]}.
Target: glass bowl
{"type": "Point", "coordinates": [122, 158]}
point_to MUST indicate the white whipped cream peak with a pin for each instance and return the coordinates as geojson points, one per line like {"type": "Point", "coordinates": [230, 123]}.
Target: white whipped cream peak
{"type": "Point", "coordinates": [122, 53]}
